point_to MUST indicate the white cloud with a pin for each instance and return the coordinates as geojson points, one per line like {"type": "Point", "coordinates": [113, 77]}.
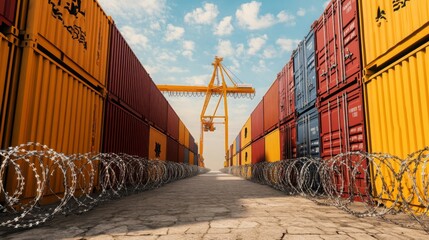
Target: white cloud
{"type": "Point", "coordinates": [224, 48]}
{"type": "Point", "coordinates": [176, 70]}
{"type": "Point", "coordinates": [174, 33]}
{"type": "Point", "coordinates": [155, 26]}
{"type": "Point", "coordinates": [284, 17]}
{"type": "Point", "coordinates": [134, 38]}
{"type": "Point", "coordinates": [132, 8]}
{"type": "Point", "coordinates": [255, 44]}
{"type": "Point", "coordinates": [326, 3]}
{"type": "Point", "coordinates": [261, 67]}
{"type": "Point", "coordinates": [199, 80]}
{"type": "Point", "coordinates": [248, 16]}
{"type": "Point", "coordinates": [239, 50]}
{"type": "Point", "coordinates": [203, 16]}
{"type": "Point", "coordinates": [225, 27]}
{"type": "Point", "coordinates": [269, 52]}
{"type": "Point", "coordinates": [188, 48]}
{"type": "Point", "coordinates": [287, 45]}
{"type": "Point", "coordinates": [301, 12]}
{"type": "Point", "coordinates": [167, 56]}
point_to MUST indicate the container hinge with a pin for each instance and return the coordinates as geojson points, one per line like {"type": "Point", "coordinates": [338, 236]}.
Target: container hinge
{"type": "Point", "coordinates": [348, 55]}
{"type": "Point", "coordinates": [333, 66]}
{"type": "Point", "coordinates": [323, 74]}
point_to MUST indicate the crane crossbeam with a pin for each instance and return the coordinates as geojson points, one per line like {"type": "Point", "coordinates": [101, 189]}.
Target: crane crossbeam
{"type": "Point", "coordinates": [205, 89]}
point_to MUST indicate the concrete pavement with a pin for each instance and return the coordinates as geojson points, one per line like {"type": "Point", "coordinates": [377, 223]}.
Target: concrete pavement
{"type": "Point", "coordinates": [215, 206]}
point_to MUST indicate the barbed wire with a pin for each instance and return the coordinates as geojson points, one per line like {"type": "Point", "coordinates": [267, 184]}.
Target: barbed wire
{"type": "Point", "coordinates": [362, 184]}
{"type": "Point", "coordinates": [36, 182]}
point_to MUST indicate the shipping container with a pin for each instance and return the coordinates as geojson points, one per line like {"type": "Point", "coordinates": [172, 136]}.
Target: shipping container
{"type": "Point", "coordinates": [8, 12]}
{"type": "Point", "coordinates": [230, 154]}
{"type": "Point", "coordinates": [187, 137]}
{"type": "Point", "coordinates": [76, 33]}
{"type": "Point", "coordinates": [272, 146]}
{"type": "Point", "coordinates": [191, 158]}
{"type": "Point", "coordinates": [234, 160]}
{"type": "Point", "coordinates": [172, 150]}
{"type": "Point", "coordinates": [157, 144]}
{"type": "Point", "coordinates": [127, 79]}
{"type": "Point", "coordinates": [196, 159]}
{"type": "Point", "coordinates": [186, 156]}
{"type": "Point", "coordinates": [191, 143]}
{"type": "Point", "coordinates": [181, 153]}
{"type": "Point", "coordinates": [338, 47]}
{"type": "Point", "coordinates": [288, 139]}
{"type": "Point", "coordinates": [307, 141]}
{"type": "Point", "coordinates": [258, 151]}
{"type": "Point", "coordinates": [246, 134]}
{"type": "Point", "coordinates": [55, 108]}
{"type": "Point", "coordinates": [124, 132]}
{"type": "Point", "coordinates": [342, 130]}
{"type": "Point", "coordinates": [305, 74]}
{"type": "Point", "coordinates": [257, 118]}
{"type": "Point", "coordinates": [173, 123]}
{"type": "Point", "coordinates": [8, 60]}
{"type": "Point", "coordinates": [271, 109]}
{"type": "Point", "coordinates": [389, 29]}
{"type": "Point", "coordinates": [159, 109]}
{"type": "Point", "coordinates": [246, 155]}
{"type": "Point", "coordinates": [238, 143]}
{"type": "Point", "coordinates": [234, 147]}
{"type": "Point", "coordinates": [397, 113]}
{"type": "Point", "coordinates": [286, 92]}
{"type": "Point", "coordinates": [181, 132]}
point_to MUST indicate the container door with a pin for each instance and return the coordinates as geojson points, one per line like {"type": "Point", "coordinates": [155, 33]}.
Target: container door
{"type": "Point", "coordinates": [310, 71]}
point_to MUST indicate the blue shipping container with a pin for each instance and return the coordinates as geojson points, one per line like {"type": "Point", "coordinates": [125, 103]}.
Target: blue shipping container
{"type": "Point", "coordinates": [238, 143]}
{"type": "Point", "coordinates": [305, 74]}
{"type": "Point", "coordinates": [307, 140]}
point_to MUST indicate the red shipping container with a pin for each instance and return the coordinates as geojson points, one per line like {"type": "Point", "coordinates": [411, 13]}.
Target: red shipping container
{"type": "Point", "coordinates": [288, 139]}
{"type": "Point", "coordinates": [127, 79]}
{"type": "Point", "coordinates": [271, 111]}
{"type": "Point", "coordinates": [338, 47]}
{"type": "Point", "coordinates": [258, 121]}
{"type": "Point", "coordinates": [181, 156]}
{"type": "Point", "coordinates": [7, 12]}
{"type": "Point", "coordinates": [258, 151]}
{"type": "Point", "coordinates": [173, 124]}
{"type": "Point", "coordinates": [343, 130]}
{"type": "Point", "coordinates": [172, 150]}
{"type": "Point", "coordinates": [158, 108]}
{"type": "Point", "coordinates": [124, 132]}
{"type": "Point", "coordinates": [286, 92]}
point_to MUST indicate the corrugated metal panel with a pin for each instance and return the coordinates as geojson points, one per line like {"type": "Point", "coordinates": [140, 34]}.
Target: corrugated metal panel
{"type": "Point", "coordinates": [338, 47]}
{"type": "Point", "coordinates": [191, 143]}
{"type": "Point", "coordinates": [390, 27]}
{"type": "Point", "coordinates": [238, 143]}
{"type": "Point", "coordinates": [158, 108]}
{"type": "Point", "coordinates": [246, 155]}
{"type": "Point", "coordinates": [234, 160]}
{"type": "Point", "coordinates": [307, 141]}
{"type": "Point", "coordinates": [127, 78]}
{"type": "Point", "coordinates": [54, 108]}
{"type": "Point", "coordinates": [181, 132]}
{"type": "Point", "coordinates": [246, 133]}
{"type": "Point", "coordinates": [173, 123]}
{"type": "Point", "coordinates": [271, 111]}
{"type": "Point", "coordinates": [234, 147]}
{"type": "Point", "coordinates": [272, 146]}
{"type": "Point", "coordinates": [8, 12]}
{"type": "Point", "coordinates": [257, 118]}
{"type": "Point", "coordinates": [397, 113]}
{"type": "Point", "coordinates": [124, 132]}
{"type": "Point", "coordinates": [181, 153]}
{"type": "Point", "coordinates": [258, 151]}
{"type": "Point", "coordinates": [75, 32]}
{"type": "Point", "coordinates": [305, 74]}
{"type": "Point", "coordinates": [157, 145]}
{"type": "Point", "coordinates": [288, 139]}
{"type": "Point", "coordinates": [186, 156]}
{"type": "Point", "coordinates": [397, 106]}
{"type": "Point", "coordinates": [191, 158]}
{"type": "Point", "coordinates": [187, 136]}
{"type": "Point", "coordinates": [8, 51]}
{"type": "Point", "coordinates": [286, 92]}
{"type": "Point", "coordinates": [196, 158]}
{"type": "Point", "coordinates": [172, 150]}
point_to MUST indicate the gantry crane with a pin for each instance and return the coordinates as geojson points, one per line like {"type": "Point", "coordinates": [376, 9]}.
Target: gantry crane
{"type": "Point", "coordinates": [213, 89]}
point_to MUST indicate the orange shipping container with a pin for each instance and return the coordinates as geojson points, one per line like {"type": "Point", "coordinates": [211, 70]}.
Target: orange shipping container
{"type": "Point", "coordinates": [55, 108]}
{"type": "Point", "coordinates": [75, 32]}
{"type": "Point", "coordinates": [187, 136]}
{"type": "Point", "coordinates": [157, 145]}
{"type": "Point", "coordinates": [181, 132]}
{"type": "Point", "coordinates": [191, 158]}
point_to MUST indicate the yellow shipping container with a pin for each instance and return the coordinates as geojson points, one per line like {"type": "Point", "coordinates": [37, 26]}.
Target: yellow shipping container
{"type": "Point", "coordinates": [246, 133]}
{"type": "Point", "coordinates": [75, 32]}
{"type": "Point", "coordinates": [390, 27]}
{"type": "Point", "coordinates": [181, 132]}
{"type": "Point", "coordinates": [8, 50]}
{"type": "Point", "coordinates": [272, 146]}
{"type": "Point", "coordinates": [57, 109]}
{"type": "Point", "coordinates": [246, 155]}
{"type": "Point", "coordinates": [191, 158]}
{"type": "Point", "coordinates": [157, 145]}
{"type": "Point", "coordinates": [234, 147]}
{"type": "Point", "coordinates": [397, 113]}
{"type": "Point", "coordinates": [234, 160]}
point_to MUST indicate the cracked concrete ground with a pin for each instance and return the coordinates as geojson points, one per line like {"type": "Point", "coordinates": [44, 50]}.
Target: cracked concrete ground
{"type": "Point", "coordinates": [214, 206]}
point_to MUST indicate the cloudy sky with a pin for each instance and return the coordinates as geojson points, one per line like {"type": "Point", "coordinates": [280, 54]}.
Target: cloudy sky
{"type": "Point", "coordinates": [177, 40]}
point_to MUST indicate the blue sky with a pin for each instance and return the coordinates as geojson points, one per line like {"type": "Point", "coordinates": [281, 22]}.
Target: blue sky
{"type": "Point", "coordinates": [177, 40]}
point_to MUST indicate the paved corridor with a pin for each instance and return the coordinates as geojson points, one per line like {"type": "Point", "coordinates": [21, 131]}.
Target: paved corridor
{"type": "Point", "coordinates": [215, 206]}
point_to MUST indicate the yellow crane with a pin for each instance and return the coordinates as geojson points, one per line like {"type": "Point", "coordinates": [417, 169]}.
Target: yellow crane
{"type": "Point", "coordinates": [215, 88]}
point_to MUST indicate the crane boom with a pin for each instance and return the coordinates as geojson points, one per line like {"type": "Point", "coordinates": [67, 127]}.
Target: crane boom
{"type": "Point", "coordinates": [219, 89]}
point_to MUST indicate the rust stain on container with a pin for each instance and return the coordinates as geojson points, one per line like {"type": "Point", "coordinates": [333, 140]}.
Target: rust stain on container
{"type": "Point", "coordinates": [271, 107]}
{"type": "Point", "coordinates": [75, 32]}
{"type": "Point", "coordinates": [55, 108]}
